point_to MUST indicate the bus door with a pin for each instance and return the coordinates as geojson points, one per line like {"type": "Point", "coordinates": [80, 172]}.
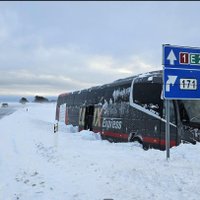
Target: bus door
{"type": "Point", "coordinates": [173, 126]}
{"type": "Point", "coordinates": [89, 114]}
{"type": "Point", "coordinates": [81, 122]}
{"type": "Point", "coordinates": [153, 129]}
{"type": "Point", "coordinates": [86, 114]}
{"type": "Point", "coordinates": [97, 119]}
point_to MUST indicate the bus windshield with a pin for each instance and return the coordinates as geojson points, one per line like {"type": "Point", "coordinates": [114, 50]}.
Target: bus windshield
{"type": "Point", "coordinates": [190, 112]}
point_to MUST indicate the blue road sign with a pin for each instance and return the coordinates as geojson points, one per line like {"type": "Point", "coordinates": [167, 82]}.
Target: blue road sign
{"type": "Point", "coordinates": [181, 72]}
{"type": "Point", "coordinates": [181, 57]}
{"type": "Point", "coordinates": [181, 84]}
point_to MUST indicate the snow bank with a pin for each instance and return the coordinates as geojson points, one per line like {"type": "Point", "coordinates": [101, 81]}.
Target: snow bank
{"type": "Point", "coordinates": [37, 164]}
{"type": "Point", "coordinates": [89, 135]}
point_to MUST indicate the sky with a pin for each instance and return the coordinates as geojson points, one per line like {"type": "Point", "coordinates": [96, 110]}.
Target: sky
{"type": "Point", "coordinates": [47, 48]}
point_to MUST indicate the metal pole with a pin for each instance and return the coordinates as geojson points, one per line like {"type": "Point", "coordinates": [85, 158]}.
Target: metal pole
{"type": "Point", "coordinates": [167, 128]}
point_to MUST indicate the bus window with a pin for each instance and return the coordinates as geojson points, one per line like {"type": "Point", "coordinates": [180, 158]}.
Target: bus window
{"type": "Point", "coordinates": [148, 96]}
{"type": "Point", "coordinates": [190, 112]}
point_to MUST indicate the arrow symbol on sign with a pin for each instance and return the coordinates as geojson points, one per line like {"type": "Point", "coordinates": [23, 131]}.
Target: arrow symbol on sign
{"type": "Point", "coordinates": [171, 57]}
{"type": "Point", "coordinates": [171, 80]}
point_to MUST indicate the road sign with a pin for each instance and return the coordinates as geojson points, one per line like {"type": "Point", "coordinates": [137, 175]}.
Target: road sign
{"type": "Point", "coordinates": [181, 79]}
{"type": "Point", "coordinates": [181, 84]}
{"type": "Point", "coordinates": [181, 72]}
{"type": "Point", "coordinates": [181, 57]}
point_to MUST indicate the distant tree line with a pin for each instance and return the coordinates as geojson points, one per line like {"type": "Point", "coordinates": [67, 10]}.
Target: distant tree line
{"type": "Point", "coordinates": [37, 99]}
{"type": "Point", "coordinates": [40, 99]}
{"type": "Point", "coordinates": [23, 100]}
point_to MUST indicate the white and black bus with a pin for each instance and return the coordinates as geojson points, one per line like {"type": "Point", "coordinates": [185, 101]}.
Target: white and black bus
{"type": "Point", "coordinates": [131, 109]}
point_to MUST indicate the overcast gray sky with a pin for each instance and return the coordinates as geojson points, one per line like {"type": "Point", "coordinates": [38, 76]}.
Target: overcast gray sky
{"type": "Point", "coordinates": [47, 48]}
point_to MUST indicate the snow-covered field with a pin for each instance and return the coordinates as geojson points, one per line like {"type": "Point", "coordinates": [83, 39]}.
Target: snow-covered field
{"type": "Point", "coordinates": [37, 164]}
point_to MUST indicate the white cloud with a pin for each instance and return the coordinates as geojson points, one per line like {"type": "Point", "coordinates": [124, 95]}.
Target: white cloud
{"type": "Point", "coordinates": [138, 65]}
{"type": "Point", "coordinates": [30, 62]}
{"type": "Point", "coordinates": [57, 69]}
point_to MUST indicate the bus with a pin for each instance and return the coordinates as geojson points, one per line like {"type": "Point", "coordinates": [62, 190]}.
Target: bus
{"type": "Point", "coordinates": [131, 110]}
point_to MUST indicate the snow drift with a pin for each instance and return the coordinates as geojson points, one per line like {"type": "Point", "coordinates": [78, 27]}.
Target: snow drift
{"type": "Point", "coordinates": [36, 163]}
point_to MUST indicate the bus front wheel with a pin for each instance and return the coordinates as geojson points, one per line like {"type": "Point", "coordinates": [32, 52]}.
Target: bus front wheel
{"type": "Point", "coordinates": [138, 141]}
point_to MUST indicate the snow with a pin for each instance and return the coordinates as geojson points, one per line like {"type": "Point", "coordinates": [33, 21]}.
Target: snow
{"type": "Point", "coordinates": [37, 164]}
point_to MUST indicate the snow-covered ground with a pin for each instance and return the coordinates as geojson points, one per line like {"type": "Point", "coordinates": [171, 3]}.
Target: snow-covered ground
{"type": "Point", "coordinates": [37, 164]}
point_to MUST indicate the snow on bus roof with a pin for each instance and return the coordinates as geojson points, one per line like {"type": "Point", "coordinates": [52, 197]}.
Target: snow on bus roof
{"type": "Point", "coordinates": [143, 75]}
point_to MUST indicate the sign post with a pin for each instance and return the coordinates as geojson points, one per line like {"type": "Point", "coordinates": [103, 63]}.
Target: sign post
{"type": "Point", "coordinates": [181, 79]}
{"type": "Point", "coordinates": [167, 129]}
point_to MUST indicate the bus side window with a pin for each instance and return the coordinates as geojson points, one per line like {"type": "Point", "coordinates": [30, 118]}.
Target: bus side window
{"type": "Point", "coordinates": [172, 112]}
{"type": "Point", "coordinates": [148, 96]}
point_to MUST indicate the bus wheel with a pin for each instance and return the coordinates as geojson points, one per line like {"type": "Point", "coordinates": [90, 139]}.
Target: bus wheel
{"type": "Point", "coordinates": [137, 142]}
{"type": "Point", "coordinates": [145, 147]}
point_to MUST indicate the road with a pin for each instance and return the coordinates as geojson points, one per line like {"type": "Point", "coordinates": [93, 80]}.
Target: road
{"type": "Point", "coordinates": [8, 110]}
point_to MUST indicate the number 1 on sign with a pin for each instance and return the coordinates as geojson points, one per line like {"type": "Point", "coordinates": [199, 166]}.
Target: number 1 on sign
{"type": "Point", "coordinates": [183, 58]}
{"type": "Point", "coordinates": [188, 84]}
